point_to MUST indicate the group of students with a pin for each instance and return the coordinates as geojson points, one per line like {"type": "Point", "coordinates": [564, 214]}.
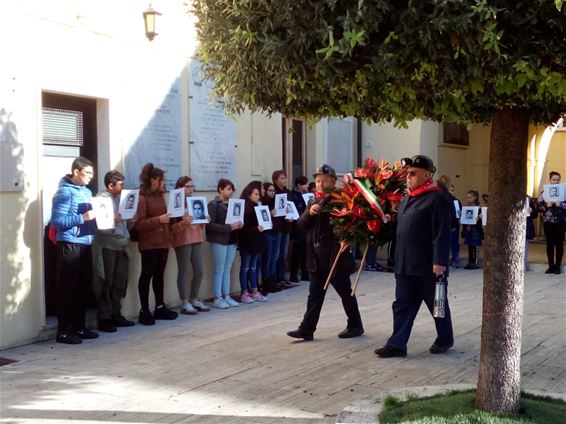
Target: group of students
{"type": "Point", "coordinates": [553, 221]}
{"type": "Point", "coordinates": [82, 248]}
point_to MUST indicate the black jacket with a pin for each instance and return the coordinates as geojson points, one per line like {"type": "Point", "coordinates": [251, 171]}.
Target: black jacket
{"type": "Point", "coordinates": [322, 243]}
{"type": "Point", "coordinates": [423, 233]}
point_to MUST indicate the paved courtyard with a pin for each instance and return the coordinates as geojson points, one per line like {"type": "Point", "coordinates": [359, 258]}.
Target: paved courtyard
{"type": "Point", "coordinates": [238, 366]}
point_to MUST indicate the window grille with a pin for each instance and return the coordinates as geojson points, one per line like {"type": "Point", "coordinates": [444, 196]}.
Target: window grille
{"type": "Point", "coordinates": [62, 127]}
{"type": "Point", "coordinates": [456, 134]}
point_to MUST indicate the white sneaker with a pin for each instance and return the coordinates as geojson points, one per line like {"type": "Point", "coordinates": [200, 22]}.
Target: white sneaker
{"type": "Point", "coordinates": [199, 306]}
{"type": "Point", "coordinates": [258, 297]}
{"type": "Point", "coordinates": [231, 302]}
{"type": "Point", "coordinates": [246, 298]}
{"type": "Point", "coordinates": [187, 309]}
{"type": "Point", "coordinates": [220, 303]}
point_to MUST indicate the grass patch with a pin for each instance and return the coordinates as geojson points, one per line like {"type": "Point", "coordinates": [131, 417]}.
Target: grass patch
{"type": "Point", "coordinates": [458, 408]}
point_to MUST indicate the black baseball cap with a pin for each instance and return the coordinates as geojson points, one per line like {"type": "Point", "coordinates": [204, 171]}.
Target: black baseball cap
{"type": "Point", "coordinates": [324, 169]}
{"type": "Point", "coordinates": [419, 161]}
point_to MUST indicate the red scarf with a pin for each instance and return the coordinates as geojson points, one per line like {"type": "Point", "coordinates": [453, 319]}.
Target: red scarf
{"type": "Point", "coordinates": [319, 195]}
{"type": "Point", "coordinates": [429, 185]}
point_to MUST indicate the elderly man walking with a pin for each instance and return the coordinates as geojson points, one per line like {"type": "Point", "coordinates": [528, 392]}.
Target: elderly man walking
{"type": "Point", "coordinates": [421, 257]}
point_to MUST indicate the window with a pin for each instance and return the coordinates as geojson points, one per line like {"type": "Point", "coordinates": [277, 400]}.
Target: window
{"type": "Point", "coordinates": [456, 134]}
{"type": "Point", "coordinates": [62, 127]}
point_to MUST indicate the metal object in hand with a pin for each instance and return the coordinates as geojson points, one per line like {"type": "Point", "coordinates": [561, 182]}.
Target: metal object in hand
{"type": "Point", "coordinates": [439, 309]}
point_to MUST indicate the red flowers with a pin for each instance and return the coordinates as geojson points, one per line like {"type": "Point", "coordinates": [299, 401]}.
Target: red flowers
{"type": "Point", "coordinates": [361, 209]}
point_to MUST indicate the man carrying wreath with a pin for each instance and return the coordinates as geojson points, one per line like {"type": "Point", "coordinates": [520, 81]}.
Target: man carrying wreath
{"type": "Point", "coordinates": [322, 248]}
{"type": "Point", "coordinates": [421, 257]}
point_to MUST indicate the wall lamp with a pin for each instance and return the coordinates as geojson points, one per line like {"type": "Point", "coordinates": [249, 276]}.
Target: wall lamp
{"type": "Point", "coordinates": [149, 21]}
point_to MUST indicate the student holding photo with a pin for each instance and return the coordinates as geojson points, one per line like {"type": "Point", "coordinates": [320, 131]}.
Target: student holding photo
{"type": "Point", "coordinates": [187, 241]}
{"type": "Point", "coordinates": [252, 245]}
{"type": "Point", "coordinates": [473, 234]}
{"type": "Point", "coordinates": [554, 224]}
{"type": "Point", "coordinates": [222, 238]}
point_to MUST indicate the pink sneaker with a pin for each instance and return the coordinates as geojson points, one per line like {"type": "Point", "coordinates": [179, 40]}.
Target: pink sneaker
{"type": "Point", "coordinates": [246, 298]}
{"type": "Point", "coordinates": [258, 297]}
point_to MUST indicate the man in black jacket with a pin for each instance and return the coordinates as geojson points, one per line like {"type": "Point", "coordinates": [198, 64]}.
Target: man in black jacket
{"type": "Point", "coordinates": [322, 248]}
{"type": "Point", "coordinates": [421, 256]}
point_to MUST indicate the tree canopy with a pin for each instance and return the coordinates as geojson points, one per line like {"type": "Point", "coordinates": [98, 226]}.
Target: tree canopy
{"type": "Point", "coordinates": [444, 60]}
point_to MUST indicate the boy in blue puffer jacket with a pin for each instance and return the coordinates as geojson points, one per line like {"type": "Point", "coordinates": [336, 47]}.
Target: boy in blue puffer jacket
{"type": "Point", "coordinates": [73, 218]}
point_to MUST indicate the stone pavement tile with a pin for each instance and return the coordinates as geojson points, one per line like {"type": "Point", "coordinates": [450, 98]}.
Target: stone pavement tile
{"type": "Point", "coordinates": [239, 366]}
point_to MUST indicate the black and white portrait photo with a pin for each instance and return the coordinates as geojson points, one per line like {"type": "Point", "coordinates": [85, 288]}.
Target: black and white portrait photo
{"type": "Point", "coordinates": [128, 203]}
{"type": "Point", "coordinates": [178, 200]}
{"type": "Point", "coordinates": [263, 217]}
{"type": "Point", "coordinates": [175, 206]}
{"type": "Point", "coordinates": [235, 212]}
{"type": "Point", "coordinates": [198, 209]}
{"type": "Point", "coordinates": [281, 204]}
{"type": "Point", "coordinates": [469, 215]}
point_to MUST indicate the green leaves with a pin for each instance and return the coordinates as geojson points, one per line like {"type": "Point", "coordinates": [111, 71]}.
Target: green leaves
{"type": "Point", "coordinates": [432, 59]}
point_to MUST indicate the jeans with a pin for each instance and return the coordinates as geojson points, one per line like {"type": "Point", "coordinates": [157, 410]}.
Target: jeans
{"type": "Point", "coordinates": [74, 273]}
{"type": "Point", "coordinates": [455, 245]}
{"type": "Point", "coordinates": [282, 260]}
{"type": "Point", "coordinates": [192, 253]}
{"type": "Point", "coordinates": [249, 271]}
{"type": "Point", "coordinates": [269, 259]}
{"type": "Point", "coordinates": [222, 259]}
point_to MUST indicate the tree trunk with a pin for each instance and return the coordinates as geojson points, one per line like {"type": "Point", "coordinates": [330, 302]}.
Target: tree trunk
{"type": "Point", "coordinates": [499, 380]}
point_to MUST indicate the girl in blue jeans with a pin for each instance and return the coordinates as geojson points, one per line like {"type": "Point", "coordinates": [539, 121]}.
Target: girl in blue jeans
{"type": "Point", "coordinates": [272, 240]}
{"type": "Point", "coordinates": [222, 238]}
{"type": "Point", "coordinates": [251, 244]}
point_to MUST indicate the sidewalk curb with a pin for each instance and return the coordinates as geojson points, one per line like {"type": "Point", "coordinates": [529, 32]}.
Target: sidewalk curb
{"type": "Point", "coordinates": [366, 410]}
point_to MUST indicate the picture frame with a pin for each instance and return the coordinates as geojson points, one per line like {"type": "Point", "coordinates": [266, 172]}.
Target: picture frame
{"type": "Point", "coordinates": [469, 215]}
{"type": "Point", "coordinates": [104, 212]}
{"type": "Point", "coordinates": [176, 205]}
{"type": "Point", "coordinates": [128, 205]}
{"type": "Point", "coordinates": [235, 211]}
{"type": "Point", "coordinates": [457, 209]}
{"type": "Point", "coordinates": [307, 197]}
{"type": "Point", "coordinates": [198, 209]}
{"type": "Point", "coordinates": [281, 204]}
{"type": "Point", "coordinates": [293, 212]}
{"type": "Point", "coordinates": [554, 193]}
{"type": "Point", "coordinates": [263, 217]}
{"type": "Point", "coordinates": [484, 215]}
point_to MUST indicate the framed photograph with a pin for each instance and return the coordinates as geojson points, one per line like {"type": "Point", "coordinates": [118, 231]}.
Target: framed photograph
{"type": "Point", "coordinates": [484, 215]}
{"type": "Point", "coordinates": [129, 203]}
{"type": "Point", "coordinates": [281, 204]}
{"type": "Point", "coordinates": [176, 204]}
{"type": "Point", "coordinates": [554, 192]}
{"type": "Point", "coordinates": [307, 197]}
{"type": "Point", "coordinates": [293, 212]}
{"type": "Point", "coordinates": [263, 217]}
{"type": "Point", "coordinates": [469, 215]}
{"type": "Point", "coordinates": [457, 208]}
{"type": "Point", "coordinates": [198, 209]}
{"type": "Point", "coordinates": [526, 207]}
{"type": "Point", "coordinates": [104, 212]}
{"type": "Point", "coordinates": [235, 211]}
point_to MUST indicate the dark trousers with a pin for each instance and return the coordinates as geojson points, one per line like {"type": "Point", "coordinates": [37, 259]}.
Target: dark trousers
{"type": "Point", "coordinates": [74, 278]}
{"type": "Point", "coordinates": [316, 296]}
{"type": "Point", "coordinates": [473, 254]}
{"type": "Point", "coordinates": [113, 287]}
{"type": "Point", "coordinates": [299, 259]}
{"type": "Point", "coordinates": [410, 292]}
{"type": "Point", "coordinates": [153, 263]}
{"type": "Point", "coordinates": [554, 234]}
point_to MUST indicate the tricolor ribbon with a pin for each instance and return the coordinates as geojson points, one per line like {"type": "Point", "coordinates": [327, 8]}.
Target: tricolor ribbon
{"type": "Point", "coordinates": [367, 193]}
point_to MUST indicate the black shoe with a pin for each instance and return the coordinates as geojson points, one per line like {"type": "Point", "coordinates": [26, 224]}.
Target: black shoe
{"type": "Point", "coordinates": [87, 334]}
{"type": "Point", "coordinates": [299, 333]}
{"type": "Point", "coordinates": [68, 337]}
{"type": "Point", "coordinates": [120, 321]}
{"type": "Point", "coordinates": [348, 333]}
{"type": "Point", "coordinates": [390, 352]}
{"type": "Point", "coordinates": [436, 348]}
{"type": "Point", "coordinates": [107, 326]}
{"type": "Point", "coordinates": [557, 270]}
{"type": "Point", "coordinates": [162, 312]}
{"type": "Point", "coordinates": [146, 318]}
